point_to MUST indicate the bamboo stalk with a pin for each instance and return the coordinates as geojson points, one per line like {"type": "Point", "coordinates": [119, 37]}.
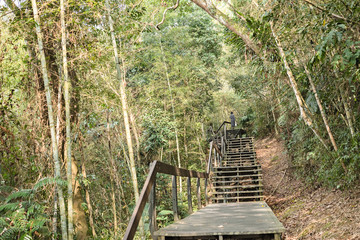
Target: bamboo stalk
{"type": "Point", "coordinates": [51, 119]}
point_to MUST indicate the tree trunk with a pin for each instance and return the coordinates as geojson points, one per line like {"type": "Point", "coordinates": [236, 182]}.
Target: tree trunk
{"type": "Point", "coordinates": [124, 107]}
{"type": "Point", "coordinates": [136, 135]}
{"type": "Point", "coordinates": [323, 114]}
{"type": "Point", "coordinates": [173, 112]}
{"type": "Point", "coordinates": [79, 214]}
{"type": "Point", "coordinates": [67, 117]}
{"type": "Point", "coordinates": [113, 171]}
{"type": "Point", "coordinates": [87, 194]}
{"type": "Point", "coordinates": [228, 23]}
{"type": "Point", "coordinates": [57, 141]}
{"type": "Point", "coordinates": [347, 111]}
{"type": "Point", "coordinates": [51, 119]}
{"type": "Point", "coordinates": [295, 89]}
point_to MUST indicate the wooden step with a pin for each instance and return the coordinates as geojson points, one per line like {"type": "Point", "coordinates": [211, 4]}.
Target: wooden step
{"type": "Point", "coordinates": [241, 139]}
{"type": "Point", "coordinates": [238, 171]}
{"type": "Point", "coordinates": [238, 157]}
{"type": "Point", "coordinates": [237, 198]}
{"type": "Point", "coordinates": [239, 176]}
{"type": "Point", "coordinates": [240, 160]}
{"type": "Point", "coordinates": [236, 167]}
{"type": "Point", "coordinates": [239, 186]}
{"type": "Point", "coordinates": [240, 163]}
{"type": "Point", "coordinates": [248, 144]}
{"type": "Point", "coordinates": [239, 192]}
{"type": "Point", "coordinates": [215, 183]}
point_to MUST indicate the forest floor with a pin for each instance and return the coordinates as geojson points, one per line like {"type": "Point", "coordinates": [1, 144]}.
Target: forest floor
{"type": "Point", "coordinates": [307, 212]}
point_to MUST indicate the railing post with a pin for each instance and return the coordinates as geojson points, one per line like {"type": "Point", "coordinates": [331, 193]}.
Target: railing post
{"type": "Point", "coordinates": [206, 196]}
{"type": "Point", "coordinates": [174, 198]}
{"type": "Point", "coordinates": [215, 162]}
{"type": "Point", "coordinates": [152, 209]}
{"type": "Point", "coordinates": [222, 145]}
{"type": "Point", "coordinates": [198, 191]}
{"type": "Point", "coordinates": [209, 166]}
{"type": "Point", "coordinates": [190, 208]}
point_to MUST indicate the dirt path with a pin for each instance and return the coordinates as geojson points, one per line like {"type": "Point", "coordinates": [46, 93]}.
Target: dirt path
{"type": "Point", "coordinates": [307, 212]}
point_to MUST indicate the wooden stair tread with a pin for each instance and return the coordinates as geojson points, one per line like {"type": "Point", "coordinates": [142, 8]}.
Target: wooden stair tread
{"type": "Point", "coordinates": [238, 181]}
{"type": "Point", "coordinates": [238, 171]}
{"type": "Point", "coordinates": [232, 167]}
{"type": "Point", "coordinates": [239, 192]}
{"type": "Point", "coordinates": [238, 186]}
{"type": "Point", "coordinates": [238, 176]}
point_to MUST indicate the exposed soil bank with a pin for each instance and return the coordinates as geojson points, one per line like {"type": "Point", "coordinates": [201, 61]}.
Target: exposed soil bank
{"type": "Point", "coordinates": [307, 212]}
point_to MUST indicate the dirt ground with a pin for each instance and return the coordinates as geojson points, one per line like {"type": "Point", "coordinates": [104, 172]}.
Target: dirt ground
{"type": "Point", "coordinates": [307, 212]}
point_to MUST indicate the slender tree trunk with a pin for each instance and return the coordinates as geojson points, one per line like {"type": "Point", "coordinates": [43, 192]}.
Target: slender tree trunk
{"type": "Point", "coordinates": [223, 19]}
{"type": "Point", "coordinates": [136, 135]}
{"type": "Point", "coordinates": [125, 114]}
{"type": "Point", "coordinates": [67, 117]}
{"type": "Point", "coordinates": [173, 112]}
{"type": "Point", "coordinates": [323, 114]}
{"type": "Point", "coordinates": [87, 194]}
{"type": "Point", "coordinates": [113, 171]}
{"type": "Point", "coordinates": [347, 111]}
{"type": "Point", "coordinates": [275, 121]}
{"type": "Point", "coordinates": [124, 107]}
{"type": "Point", "coordinates": [57, 142]}
{"type": "Point", "coordinates": [54, 220]}
{"type": "Point", "coordinates": [51, 119]}
{"type": "Point", "coordinates": [79, 214]}
{"type": "Point", "coordinates": [295, 89]}
{"type": "Point", "coordinates": [113, 198]}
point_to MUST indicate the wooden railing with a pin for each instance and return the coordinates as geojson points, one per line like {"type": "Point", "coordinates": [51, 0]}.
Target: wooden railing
{"type": "Point", "coordinates": [149, 189]}
{"type": "Point", "coordinates": [216, 153]}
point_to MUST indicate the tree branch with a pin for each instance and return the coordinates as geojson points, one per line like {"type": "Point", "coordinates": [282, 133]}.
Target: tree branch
{"type": "Point", "coordinates": [164, 14]}
{"type": "Point", "coordinates": [333, 15]}
{"type": "Point", "coordinates": [228, 23]}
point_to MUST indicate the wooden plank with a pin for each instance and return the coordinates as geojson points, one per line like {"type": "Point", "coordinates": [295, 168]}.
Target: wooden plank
{"type": "Point", "coordinates": [139, 208]}
{"type": "Point", "coordinates": [209, 166]}
{"type": "Point", "coordinates": [155, 167]}
{"type": "Point", "coordinates": [175, 199]}
{"type": "Point", "coordinates": [190, 208]}
{"type": "Point", "coordinates": [152, 210]}
{"type": "Point", "coordinates": [206, 195]}
{"type": "Point", "coordinates": [171, 170]}
{"type": "Point", "coordinates": [198, 191]}
{"type": "Point", "coordinates": [239, 219]}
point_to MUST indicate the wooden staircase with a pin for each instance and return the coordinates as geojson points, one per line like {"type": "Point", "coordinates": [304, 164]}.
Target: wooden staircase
{"type": "Point", "coordinates": [238, 177]}
{"type": "Point", "coordinates": [236, 209]}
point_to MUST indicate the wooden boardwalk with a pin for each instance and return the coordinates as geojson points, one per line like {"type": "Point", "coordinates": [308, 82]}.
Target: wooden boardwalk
{"type": "Point", "coordinates": [226, 221]}
{"type": "Point", "coordinates": [232, 187]}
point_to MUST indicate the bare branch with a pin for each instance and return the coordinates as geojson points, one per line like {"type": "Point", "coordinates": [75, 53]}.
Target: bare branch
{"type": "Point", "coordinates": [324, 10]}
{"type": "Point", "coordinates": [164, 14]}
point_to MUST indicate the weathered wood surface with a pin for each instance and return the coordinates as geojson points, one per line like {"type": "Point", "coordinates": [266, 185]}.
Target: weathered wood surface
{"type": "Point", "coordinates": [246, 218]}
{"type": "Point", "coordinates": [156, 167]}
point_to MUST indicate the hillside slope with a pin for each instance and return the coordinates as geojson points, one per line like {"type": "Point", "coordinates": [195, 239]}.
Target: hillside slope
{"type": "Point", "coordinates": [307, 212]}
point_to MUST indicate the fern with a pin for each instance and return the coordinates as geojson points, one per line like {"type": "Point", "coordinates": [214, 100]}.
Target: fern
{"type": "Point", "coordinates": [37, 224]}
{"type": "Point", "coordinates": [25, 215]}
{"type": "Point", "coordinates": [24, 193]}
{"type": "Point", "coordinates": [9, 207]}
{"type": "Point", "coordinates": [8, 233]}
{"type": "Point", "coordinates": [49, 180]}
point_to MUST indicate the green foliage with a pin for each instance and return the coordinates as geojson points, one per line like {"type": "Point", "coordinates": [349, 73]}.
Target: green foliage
{"type": "Point", "coordinates": [157, 128]}
{"type": "Point", "coordinates": [22, 216]}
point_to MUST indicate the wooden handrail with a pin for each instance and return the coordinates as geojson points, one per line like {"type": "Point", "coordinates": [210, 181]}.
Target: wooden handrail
{"type": "Point", "coordinates": [225, 122]}
{"type": "Point", "coordinates": [156, 167]}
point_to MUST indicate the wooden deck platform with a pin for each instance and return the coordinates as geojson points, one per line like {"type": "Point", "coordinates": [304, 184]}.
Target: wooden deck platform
{"type": "Point", "coordinates": [250, 220]}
